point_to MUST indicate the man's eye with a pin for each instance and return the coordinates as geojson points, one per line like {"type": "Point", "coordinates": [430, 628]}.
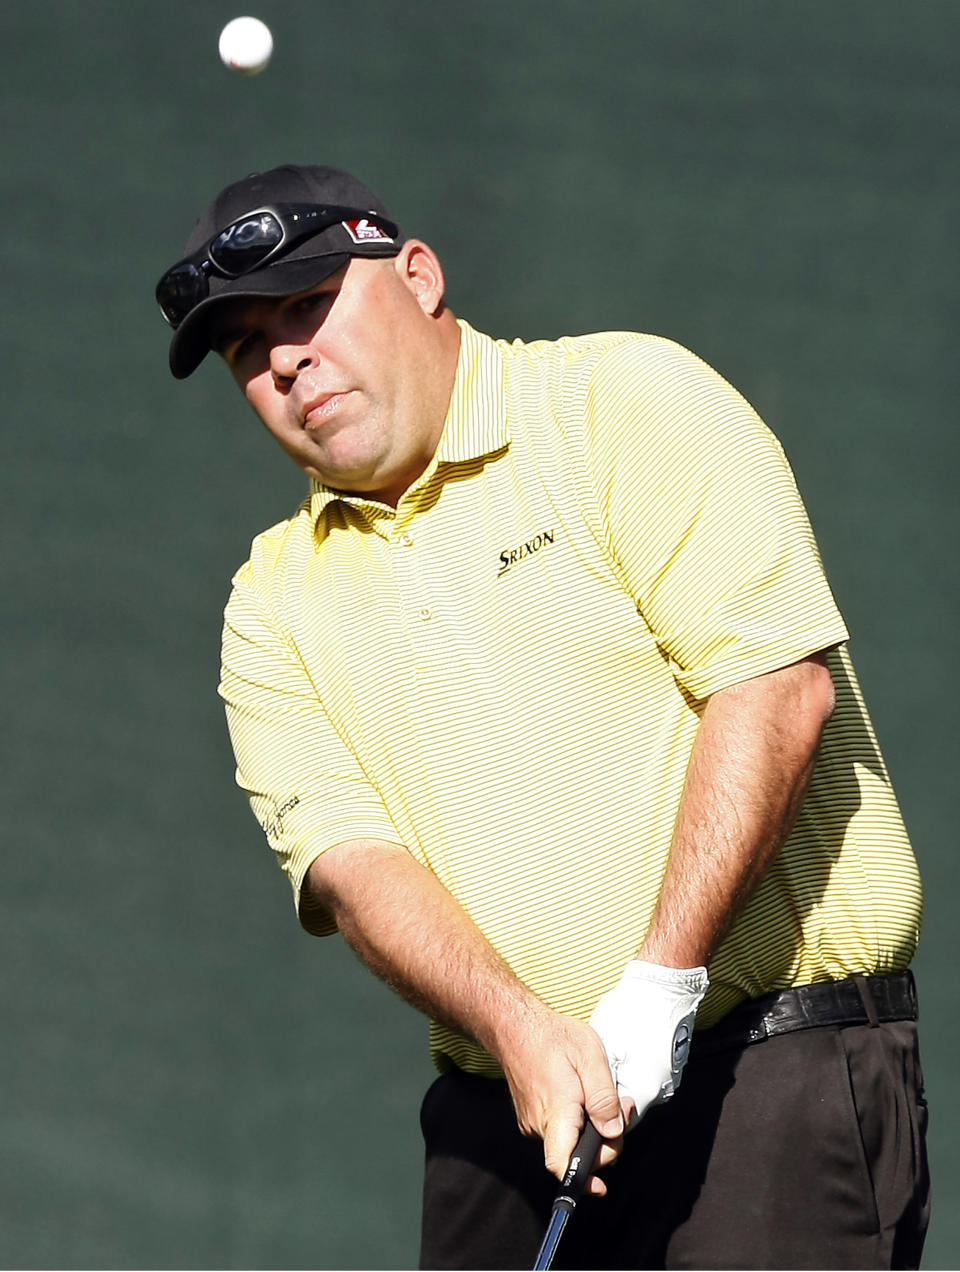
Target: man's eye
{"type": "Point", "coordinates": [315, 301]}
{"type": "Point", "coordinates": [239, 349]}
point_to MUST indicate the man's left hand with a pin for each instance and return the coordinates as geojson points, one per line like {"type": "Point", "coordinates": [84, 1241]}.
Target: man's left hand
{"type": "Point", "coordinates": [646, 1024]}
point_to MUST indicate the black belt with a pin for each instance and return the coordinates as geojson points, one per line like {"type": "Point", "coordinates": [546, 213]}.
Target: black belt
{"type": "Point", "coordinates": [858, 1000]}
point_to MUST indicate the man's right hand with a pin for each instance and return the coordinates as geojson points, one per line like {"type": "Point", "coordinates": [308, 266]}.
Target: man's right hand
{"type": "Point", "coordinates": [558, 1075]}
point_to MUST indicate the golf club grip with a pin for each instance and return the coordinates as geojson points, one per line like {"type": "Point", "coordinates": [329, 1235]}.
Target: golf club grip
{"type": "Point", "coordinates": [581, 1164]}
{"type": "Point", "coordinates": [570, 1192]}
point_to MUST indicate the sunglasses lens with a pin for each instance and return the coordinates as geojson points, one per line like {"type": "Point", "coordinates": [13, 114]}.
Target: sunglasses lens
{"type": "Point", "coordinates": [179, 290]}
{"type": "Point", "coordinates": [242, 246]}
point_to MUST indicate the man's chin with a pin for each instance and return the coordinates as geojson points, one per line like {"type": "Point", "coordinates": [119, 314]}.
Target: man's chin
{"type": "Point", "coordinates": [346, 481]}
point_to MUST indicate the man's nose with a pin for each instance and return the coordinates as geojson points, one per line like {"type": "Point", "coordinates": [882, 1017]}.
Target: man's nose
{"type": "Point", "coordinates": [288, 360]}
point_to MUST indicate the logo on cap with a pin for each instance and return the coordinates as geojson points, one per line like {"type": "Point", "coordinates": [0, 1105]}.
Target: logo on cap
{"type": "Point", "coordinates": [364, 231]}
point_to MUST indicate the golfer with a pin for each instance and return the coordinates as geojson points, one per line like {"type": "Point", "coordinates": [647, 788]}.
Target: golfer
{"type": "Point", "coordinates": [543, 702]}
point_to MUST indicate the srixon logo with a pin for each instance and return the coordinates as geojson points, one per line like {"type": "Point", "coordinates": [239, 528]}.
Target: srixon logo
{"type": "Point", "coordinates": [511, 556]}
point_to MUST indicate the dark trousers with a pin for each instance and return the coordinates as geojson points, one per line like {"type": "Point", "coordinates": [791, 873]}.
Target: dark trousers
{"type": "Point", "coordinates": [802, 1151]}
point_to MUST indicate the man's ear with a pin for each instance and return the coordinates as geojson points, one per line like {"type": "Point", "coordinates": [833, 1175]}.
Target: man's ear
{"type": "Point", "coordinates": [420, 270]}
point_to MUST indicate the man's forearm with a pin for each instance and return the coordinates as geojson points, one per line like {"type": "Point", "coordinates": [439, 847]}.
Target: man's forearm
{"type": "Point", "coordinates": [409, 930]}
{"type": "Point", "coordinates": [749, 770]}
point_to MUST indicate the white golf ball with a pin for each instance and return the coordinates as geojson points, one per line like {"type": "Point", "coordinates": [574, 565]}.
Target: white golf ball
{"type": "Point", "coordinates": [246, 45]}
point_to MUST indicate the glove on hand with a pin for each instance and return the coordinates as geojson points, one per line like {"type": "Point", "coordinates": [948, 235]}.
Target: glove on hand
{"type": "Point", "coordinates": [645, 1024]}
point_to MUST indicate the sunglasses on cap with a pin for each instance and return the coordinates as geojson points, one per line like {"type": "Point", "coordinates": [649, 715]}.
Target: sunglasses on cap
{"type": "Point", "coordinates": [255, 239]}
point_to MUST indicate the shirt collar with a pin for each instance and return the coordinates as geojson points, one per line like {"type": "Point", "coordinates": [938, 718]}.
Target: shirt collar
{"type": "Point", "coordinates": [476, 419]}
{"type": "Point", "coordinates": [476, 422]}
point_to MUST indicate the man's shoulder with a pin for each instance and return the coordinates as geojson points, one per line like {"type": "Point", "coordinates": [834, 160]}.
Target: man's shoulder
{"type": "Point", "coordinates": [276, 550]}
{"type": "Point", "coordinates": [586, 349]}
{"type": "Point", "coordinates": [573, 365]}
{"type": "Point", "coordinates": [577, 382]}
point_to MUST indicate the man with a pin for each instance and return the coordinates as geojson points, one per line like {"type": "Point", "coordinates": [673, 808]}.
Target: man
{"type": "Point", "coordinates": [543, 702]}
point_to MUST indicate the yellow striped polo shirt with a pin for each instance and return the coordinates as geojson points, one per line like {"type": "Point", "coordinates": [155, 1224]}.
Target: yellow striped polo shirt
{"type": "Point", "coordinates": [505, 674]}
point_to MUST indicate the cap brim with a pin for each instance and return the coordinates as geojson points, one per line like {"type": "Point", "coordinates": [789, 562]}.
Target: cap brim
{"type": "Point", "coordinates": [191, 340]}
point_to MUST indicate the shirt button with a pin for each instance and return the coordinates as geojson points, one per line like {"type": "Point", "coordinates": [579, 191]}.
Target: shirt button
{"type": "Point", "coordinates": [406, 539]}
{"type": "Point", "coordinates": [426, 613]}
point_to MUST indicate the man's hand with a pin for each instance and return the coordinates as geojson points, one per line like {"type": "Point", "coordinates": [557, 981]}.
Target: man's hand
{"type": "Point", "coordinates": [645, 1024]}
{"type": "Point", "coordinates": [558, 1074]}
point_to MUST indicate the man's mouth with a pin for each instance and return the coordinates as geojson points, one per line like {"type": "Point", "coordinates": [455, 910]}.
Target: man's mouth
{"type": "Point", "coordinates": [321, 408]}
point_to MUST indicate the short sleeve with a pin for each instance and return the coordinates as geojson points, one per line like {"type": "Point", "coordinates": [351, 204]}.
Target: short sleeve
{"type": "Point", "coordinates": [704, 519]}
{"type": "Point", "coordinates": [306, 789]}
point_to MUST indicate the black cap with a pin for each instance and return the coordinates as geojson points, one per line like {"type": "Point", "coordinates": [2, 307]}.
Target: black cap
{"type": "Point", "coordinates": [306, 264]}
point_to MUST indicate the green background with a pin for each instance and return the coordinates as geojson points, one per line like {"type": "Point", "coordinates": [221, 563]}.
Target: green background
{"type": "Point", "coordinates": [186, 1079]}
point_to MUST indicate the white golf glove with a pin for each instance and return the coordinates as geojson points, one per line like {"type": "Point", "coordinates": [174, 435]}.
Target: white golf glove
{"type": "Point", "coordinates": [645, 1024]}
